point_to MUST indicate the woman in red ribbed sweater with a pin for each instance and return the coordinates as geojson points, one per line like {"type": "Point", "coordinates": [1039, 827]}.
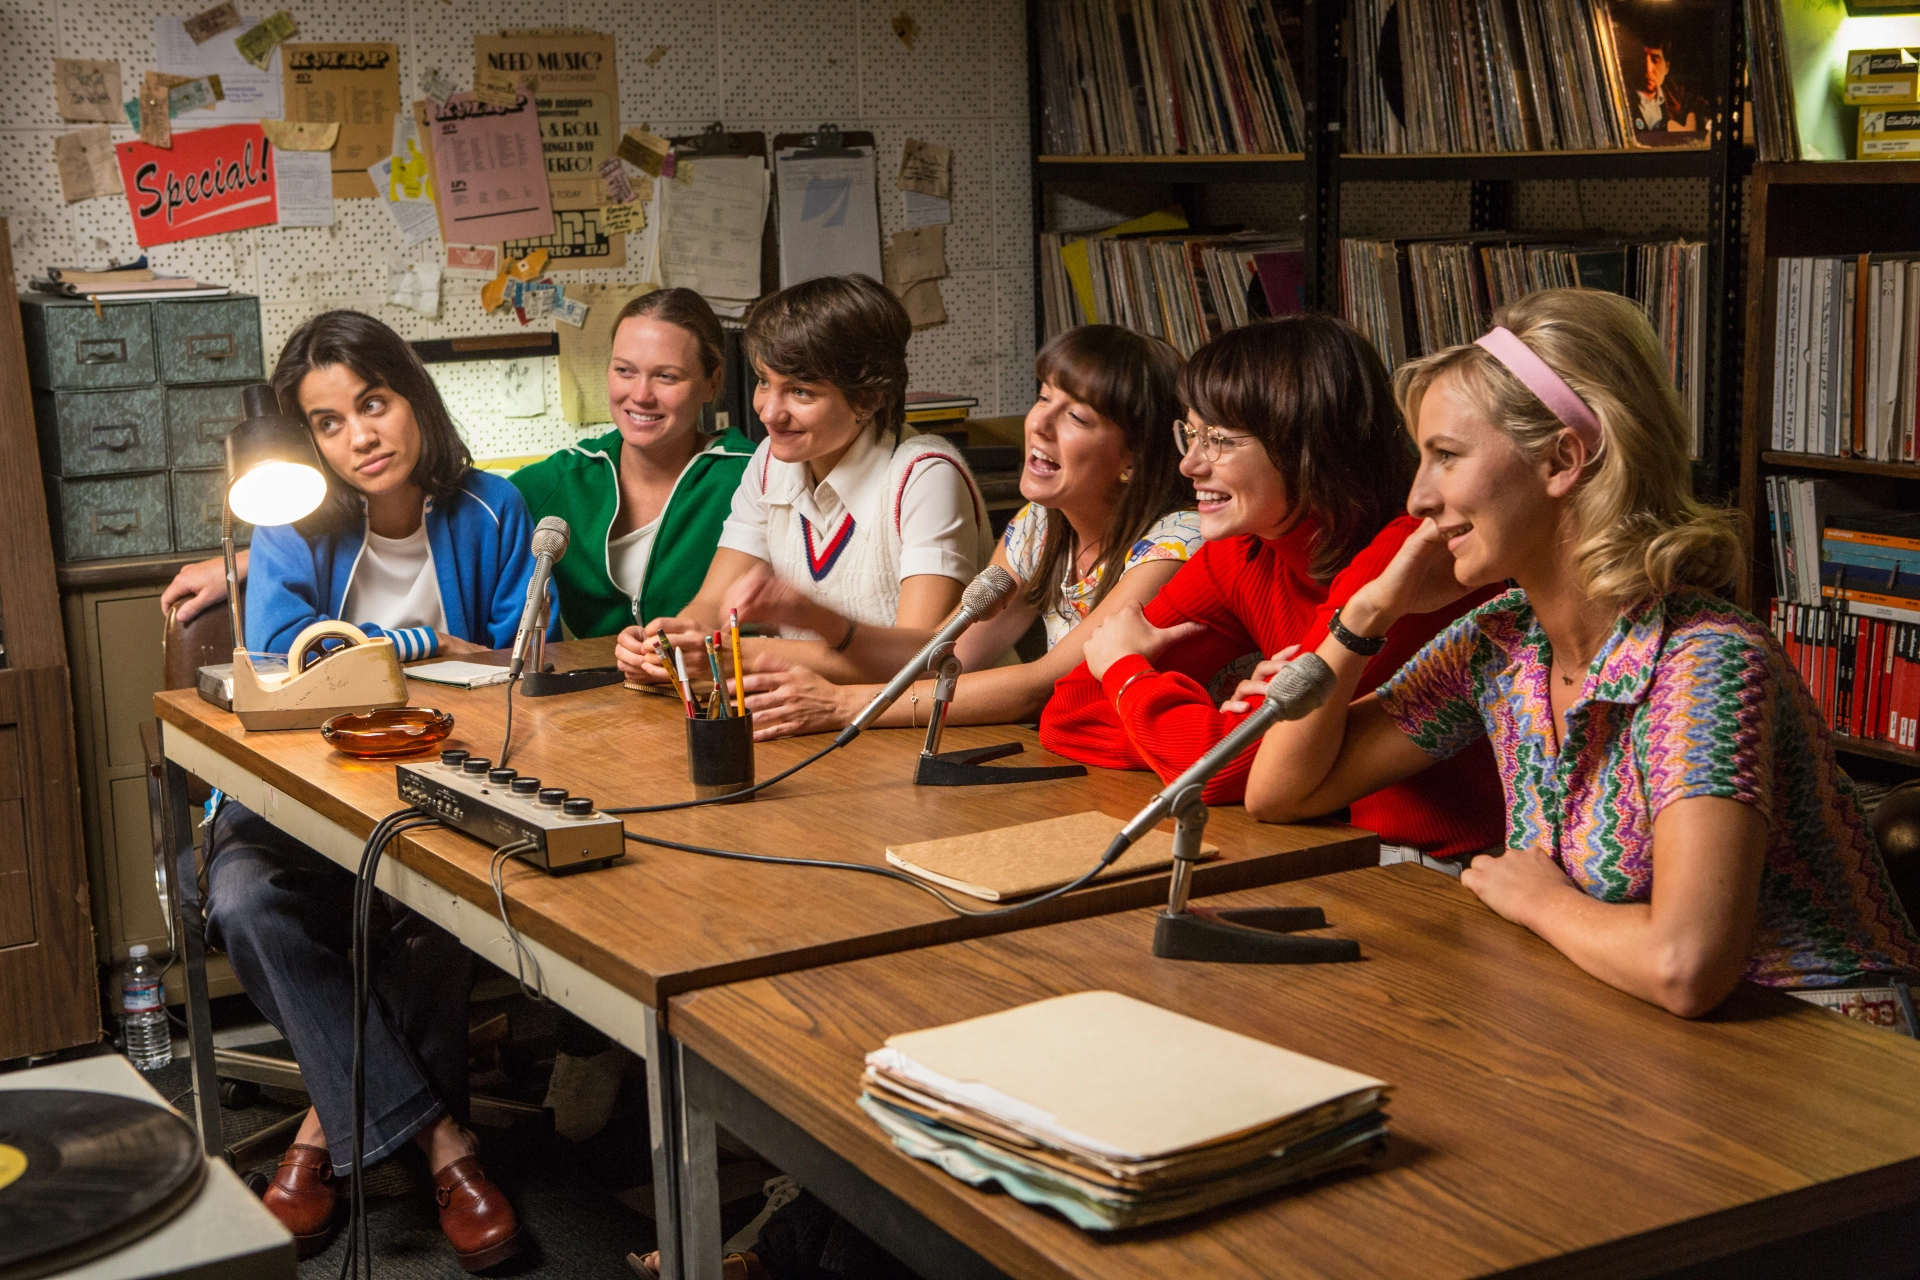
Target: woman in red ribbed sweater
{"type": "Point", "coordinates": [1302, 469]}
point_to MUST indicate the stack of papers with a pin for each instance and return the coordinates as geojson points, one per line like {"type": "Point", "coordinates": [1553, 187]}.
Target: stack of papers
{"type": "Point", "coordinates": [1117, 1113]}
{"type": "Point", "coordinates": [461, 675]}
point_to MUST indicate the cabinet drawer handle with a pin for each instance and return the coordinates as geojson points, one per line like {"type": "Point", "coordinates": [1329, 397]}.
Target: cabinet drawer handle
{"type": "Point", "coordinates": [211, 346]}
{"type": "Point", "coordinates": [212, 511]}
{"type": "Point", "coordinates": [214, 429]}
{"type": "Point", "coordinates": [100, 350]}
{"type": "Point", "coordinates": [116, 521]}
{"type": "Point", "coordinates": [117, 438]}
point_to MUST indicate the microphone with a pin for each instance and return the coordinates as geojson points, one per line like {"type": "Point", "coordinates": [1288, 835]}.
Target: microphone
{"type": "Point", "coordinates": [984, 597]}
{"type": "Point", "coordinates": [550, 538]}
{"type": "Point", "coordinates": [1296, 691]}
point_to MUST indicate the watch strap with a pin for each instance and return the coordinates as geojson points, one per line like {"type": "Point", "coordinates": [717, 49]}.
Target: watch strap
{"type": "Point", "coordinates": [1365, 646]}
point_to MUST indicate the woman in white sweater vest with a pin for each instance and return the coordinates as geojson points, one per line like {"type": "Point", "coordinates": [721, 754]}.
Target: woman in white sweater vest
{"type": "Point", "coordinates": [850, 534]}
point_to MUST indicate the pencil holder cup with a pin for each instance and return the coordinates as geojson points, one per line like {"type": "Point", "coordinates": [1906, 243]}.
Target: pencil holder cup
{"type": "Point", "coordinates": [720, 755]}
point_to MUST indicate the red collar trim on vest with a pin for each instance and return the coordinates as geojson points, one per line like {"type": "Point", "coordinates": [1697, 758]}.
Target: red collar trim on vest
{"type": "Point", "coordinates": [979, 507]}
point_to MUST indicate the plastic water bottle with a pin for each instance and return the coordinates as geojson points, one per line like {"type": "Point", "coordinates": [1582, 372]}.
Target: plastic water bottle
{"type": "Point", "coordinates": [143, 1012]}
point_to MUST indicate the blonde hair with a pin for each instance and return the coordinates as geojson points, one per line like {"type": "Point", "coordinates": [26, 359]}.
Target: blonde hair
{"type": "Point", "coordinates": [1642, 533]}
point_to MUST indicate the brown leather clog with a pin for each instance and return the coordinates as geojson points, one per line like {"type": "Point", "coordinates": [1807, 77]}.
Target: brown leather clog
{"type": "Point", "coordinates": [302, 1196]}
{"type": "Point", "coordinates": [475, 1215]}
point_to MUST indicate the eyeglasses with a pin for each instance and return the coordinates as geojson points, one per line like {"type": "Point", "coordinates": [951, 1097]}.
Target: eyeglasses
{"type": "Point", "coordinates": [1209, 442]}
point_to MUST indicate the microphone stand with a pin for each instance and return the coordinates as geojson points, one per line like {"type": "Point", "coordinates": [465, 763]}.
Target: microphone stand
{"type": "Point", "coordinates": [964, 768]}
{"type": "Point", "coordinates": [538, 682]}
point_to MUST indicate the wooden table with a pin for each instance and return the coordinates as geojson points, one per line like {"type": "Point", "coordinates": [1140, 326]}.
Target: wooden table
{"type": "Point", "coordinates": [1542, 1123]}
{"type": "Point", "coordinates": [614, 945]}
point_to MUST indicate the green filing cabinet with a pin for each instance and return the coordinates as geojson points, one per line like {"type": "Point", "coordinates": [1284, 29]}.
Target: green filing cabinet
{"type": "Point", "coordinates": [98, 517]}
{"type": "Point", "coordinates": [73, 345]}
{"type": "Point", "coordinates": [207, 340]}
{"type": "Point", "coordinates": [198, 508]}
{"type": "Point", "coordinates": [198, 419]}
{"type": "Point", "coordinates": [87, 433]}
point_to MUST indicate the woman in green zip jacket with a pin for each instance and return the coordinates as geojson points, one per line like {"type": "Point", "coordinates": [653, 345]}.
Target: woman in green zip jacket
{"type": "Point", "coordinates": [644, 502]}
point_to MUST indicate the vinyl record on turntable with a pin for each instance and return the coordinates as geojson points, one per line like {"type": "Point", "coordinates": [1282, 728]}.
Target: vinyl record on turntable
{"type": "Point", "coordinates": [83, 1173]}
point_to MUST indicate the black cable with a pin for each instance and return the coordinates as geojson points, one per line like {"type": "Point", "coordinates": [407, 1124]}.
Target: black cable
{"type": "Point", "coordinates": [506, 742]}
{"type": "Point", "coordinates": [1114, 850]}
{"type": "Point", "coordinates": [359, 1239]}
{"type": "Point", "coordinates": [741, 794]}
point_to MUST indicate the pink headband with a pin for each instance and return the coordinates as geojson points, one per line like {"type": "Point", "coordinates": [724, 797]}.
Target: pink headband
{"type": "Point", "coordinates": [1538, 377]}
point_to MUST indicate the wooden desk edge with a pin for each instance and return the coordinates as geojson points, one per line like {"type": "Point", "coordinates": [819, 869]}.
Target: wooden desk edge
{"type": "Point", "coordinates": [1355, 848]}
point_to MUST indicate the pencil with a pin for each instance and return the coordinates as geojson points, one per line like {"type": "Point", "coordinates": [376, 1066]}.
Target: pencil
{"type": "Point", "coordinates": [686, 699]}
{"type": "Point", "coordinates": [680, 664]}
{"type": "Point", "coordinates": [719, 681]}
{"type": "Point", "coordinates": [739, 692]}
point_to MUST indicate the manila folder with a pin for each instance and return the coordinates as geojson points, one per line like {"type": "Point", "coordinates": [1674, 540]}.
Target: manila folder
{"type": "Point", "coordinates": [1012, 862]}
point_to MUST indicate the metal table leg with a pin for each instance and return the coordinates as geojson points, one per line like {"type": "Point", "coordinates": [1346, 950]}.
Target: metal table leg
{"type": "Point", "coordinates": [183, 892]}
{"type": "Point", "coordinates": [664, 1136]}
{"type": "Point", "coordinates": [700, 1238]}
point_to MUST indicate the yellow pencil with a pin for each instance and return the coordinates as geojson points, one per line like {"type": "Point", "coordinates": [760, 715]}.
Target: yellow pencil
{"type": "Point", "coordinates": [739, 693]}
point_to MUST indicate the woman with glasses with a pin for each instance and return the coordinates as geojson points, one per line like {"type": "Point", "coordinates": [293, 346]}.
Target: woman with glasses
{"type": "Point", "coordinates": [1301, 470]}
{"type": "Point", "coordinates": [1108, 520]}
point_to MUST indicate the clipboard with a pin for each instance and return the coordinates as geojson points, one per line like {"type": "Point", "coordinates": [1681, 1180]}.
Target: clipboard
{"type": "Point", "coordinates": [715, 140]}
{"type": "Point", "coordinates": [827, 142]}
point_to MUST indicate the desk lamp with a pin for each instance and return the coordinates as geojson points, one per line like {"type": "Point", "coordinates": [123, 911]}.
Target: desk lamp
{"type": "Point", "coordinates": [274, 476]}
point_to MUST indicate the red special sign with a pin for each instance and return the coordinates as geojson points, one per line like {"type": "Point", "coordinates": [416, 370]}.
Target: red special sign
{"type": "Point", "coordinates": [209, 181]}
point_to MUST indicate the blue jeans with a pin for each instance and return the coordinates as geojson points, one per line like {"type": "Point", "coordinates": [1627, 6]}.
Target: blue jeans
{"type": "Point", "coordinates": [284, 915]}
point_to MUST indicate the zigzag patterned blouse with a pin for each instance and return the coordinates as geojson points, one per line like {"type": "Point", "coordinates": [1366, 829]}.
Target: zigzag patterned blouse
{"type": "Point", "coordinates": [1688, 697]}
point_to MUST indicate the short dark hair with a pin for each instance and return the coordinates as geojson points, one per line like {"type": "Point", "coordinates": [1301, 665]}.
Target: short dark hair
{"type": "Point", "coordinates": [381, 356]}
{"type": "Point", "coordinates": [1129, 379]}
{"type": "Point", "coordinates": [1313, 391]}
{"type": "Point", "coordinates": [846, 330]}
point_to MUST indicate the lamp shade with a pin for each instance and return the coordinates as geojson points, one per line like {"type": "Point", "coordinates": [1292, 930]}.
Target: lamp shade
{"type": "Point", "coordinates": [274, 473]}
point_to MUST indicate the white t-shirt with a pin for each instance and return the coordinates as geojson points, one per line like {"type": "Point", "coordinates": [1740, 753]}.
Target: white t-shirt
{"type": "Point", "coordinates": [936, 514]}
{"type": "Point", "coordinates": [627, 555]}
{"type": "Point", "coordinates": [394, 584]}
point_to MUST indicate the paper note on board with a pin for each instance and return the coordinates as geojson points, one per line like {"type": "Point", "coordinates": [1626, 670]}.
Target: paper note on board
{"type": "Point", "coordinates": [415, 215]}
{"type": "Point", "coordinates": [416, 288]}
{"type": "Point", "coordinates": [586, 349]}
{"type": "Point", "coordinates": [354, 85]}
{"type": "Point", "coordinates": [926, 167]}
{"type": "Point", "coordinates": [925, 211]}
{"type": "Point", "coordinates": [917, 254]}
{"type": "Point", "coordinates": [924, 305]}
{"type": "Point", "coordinates": [487, 171]}
{"type": "Point", "coordinates": [86, 163]}
{"type": "Point", "coordinates": [87, 90]}
{"type": "Point", "coordinates": [170, 197]}
{"type": "Point", "coordinates": [208, 23]}
{"type": "Point", "coordinates": [251, 94]}
{"type": "Point", "coordinates": [523, 389]}
{"type": "Point", "coordinates": [258, 43]}
{"type": "Point", "coordinates": [294, 135]}
{"type": "Point", "coordinates": [576, 91]}
{"type": "Point", "coordinates": [711, 229]}
{"type": "Point", "coordinates": [305, 182]}
{"type": "Point", "coordinates": [829, 216]}
{"type": "Point", "coordinates": [473, 261]}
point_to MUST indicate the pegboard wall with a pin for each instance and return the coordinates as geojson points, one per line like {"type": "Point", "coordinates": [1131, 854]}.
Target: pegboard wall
{"type": "Point", "coordinates": [778, 66]}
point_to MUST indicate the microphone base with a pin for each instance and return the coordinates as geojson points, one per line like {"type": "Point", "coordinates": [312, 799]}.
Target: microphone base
{"type": "Point", "coordinates": [1249, 935]}
{"type": "Point", "coordinates": [545, 684]}
{"type": "Point", "coordinates": [963, 768]}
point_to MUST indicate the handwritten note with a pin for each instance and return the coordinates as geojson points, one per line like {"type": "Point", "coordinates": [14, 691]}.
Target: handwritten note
{"type": "Point", "coordinates": [926, 167]}
{"type": "Point", "coordinates": [915, 255]}
{"type": "Point", "coordinates": [644, 151]}
{"type": "Point", "coordinates": [523, 388]}
{"type": "Point", "coordinates": [618, 219]}
{"type": "Point", "coordinates": [86, 90]}
{"type": "Point", "coordinates": [711, 231]}
{"type": "Point", "coordinates": [305, 182]}
{"type": "Point", "coordinates": [87, 164]}
{"type": "Point", "coordinates": [925, 307]}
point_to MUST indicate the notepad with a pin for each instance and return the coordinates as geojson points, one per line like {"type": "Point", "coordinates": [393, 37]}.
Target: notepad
{"type": "Point", "coordinates": [1012, 862]}
{"type": "Point", "coordinates": [460, 675]}
{"type": "Point", "coordinates": [1116, 1112]}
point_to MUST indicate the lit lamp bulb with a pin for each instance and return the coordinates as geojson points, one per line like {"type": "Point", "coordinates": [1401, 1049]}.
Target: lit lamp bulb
{"type": "Point", "coordinates": [274, 476]}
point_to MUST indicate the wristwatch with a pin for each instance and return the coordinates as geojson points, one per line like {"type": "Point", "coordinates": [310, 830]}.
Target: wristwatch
{"type": "Point", "coordinates": [1365, 646]}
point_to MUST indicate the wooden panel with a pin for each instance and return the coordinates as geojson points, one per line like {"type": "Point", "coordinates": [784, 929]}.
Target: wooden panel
{"type": "Point", "coordinates": [1542, 1123]}
{"type": "Point", "coordinates": [139, 916]}
{"type": "Point", "coordinates": [28, 603]}
{"type": "Point", "coordinates": [666, 921]}
{"type": "Point", "coordinates": [132, 659]}
{"type": "Point", "coordinates": [48, 987]}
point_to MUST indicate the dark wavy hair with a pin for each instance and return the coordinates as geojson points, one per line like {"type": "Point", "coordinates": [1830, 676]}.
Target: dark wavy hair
{"type": "Point", "coordinates": [1129, 379]}
{"type": "Point", "coordinates": [382, 357]}
{"type": "Point", "coordinates": [1313, 391]}
{"type": "Point", "coordinates": [846, 330]}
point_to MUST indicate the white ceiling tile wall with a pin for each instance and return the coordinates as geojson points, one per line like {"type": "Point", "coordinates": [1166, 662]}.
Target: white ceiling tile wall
{"type": "Point", "coordinates": [773, 65]}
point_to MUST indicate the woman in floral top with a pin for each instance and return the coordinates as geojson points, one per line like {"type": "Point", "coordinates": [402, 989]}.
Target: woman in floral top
{"type": "Point", "coordinates": [1676, 821]}
{"type": "Point", "coordinates": [1108, 520]}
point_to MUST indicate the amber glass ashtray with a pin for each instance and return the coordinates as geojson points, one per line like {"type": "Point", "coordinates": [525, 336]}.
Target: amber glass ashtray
{"type": "Point", "coordinates": [376, 735]}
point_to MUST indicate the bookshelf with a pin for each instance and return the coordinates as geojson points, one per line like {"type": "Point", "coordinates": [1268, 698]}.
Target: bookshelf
{"type": "Point", "coordinates": [1322, 171]}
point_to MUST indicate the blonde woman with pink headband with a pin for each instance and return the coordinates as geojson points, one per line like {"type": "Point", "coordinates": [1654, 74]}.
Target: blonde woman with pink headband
{"type": "Point", "coordinates": [1676, 822]}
